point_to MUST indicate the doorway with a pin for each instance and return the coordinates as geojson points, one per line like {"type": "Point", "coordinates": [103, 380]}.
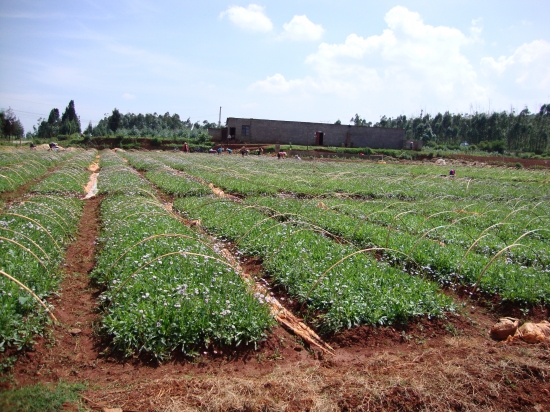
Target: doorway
{"type": "Point", "coordinates": [319, 138]}
{"type": "Point", "coordinates": [232, 132]}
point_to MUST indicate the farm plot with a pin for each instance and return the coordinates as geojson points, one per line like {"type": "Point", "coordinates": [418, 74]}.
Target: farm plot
{"type": "Point", "coordinates": [71, 178]}
{"type": "Point", "coordinates": [484, 232]}
{"type": "Point", "coordinates": [165, 287]}
{"type": "Point", "coordinates": [165, 178]}
{"type": "Point", "coordinates": [18, 167]}
{"type": "Point", "coordinates": [264, 175]}
{"type": "Point", "coordinates": [347, 287]}
{"type": "Point", "coordinates": [34, 234]}
{"type": "Point", "coordinates": [447, 245]}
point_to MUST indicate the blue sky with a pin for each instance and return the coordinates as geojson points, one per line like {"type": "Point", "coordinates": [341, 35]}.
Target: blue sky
{"type": "Point", "coordinates": [306, 60]}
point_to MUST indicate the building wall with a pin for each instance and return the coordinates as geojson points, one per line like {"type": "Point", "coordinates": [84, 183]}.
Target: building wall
{"type": "Point", "coordinates": [216, 133]}
{"type": "Point", "coordinates": [304, 133]}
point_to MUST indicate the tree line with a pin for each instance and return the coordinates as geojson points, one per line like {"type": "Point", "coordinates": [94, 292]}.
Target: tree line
{"type": "Point", "coordinates": [125, 125]}
{"type": "Point", "coordinates": [498, 131]}
{"type": "Point", "coordinates": [148, 125]}
{"type": "Point", "coordinates": [55, 125]}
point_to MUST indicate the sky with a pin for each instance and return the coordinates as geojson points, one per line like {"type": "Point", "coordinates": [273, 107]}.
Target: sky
{"type": "Point", "coordinates": [302, 60]}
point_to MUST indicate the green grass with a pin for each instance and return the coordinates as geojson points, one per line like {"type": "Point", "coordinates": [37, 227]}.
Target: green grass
{"type": "Point", "coordinates": [41, 398]}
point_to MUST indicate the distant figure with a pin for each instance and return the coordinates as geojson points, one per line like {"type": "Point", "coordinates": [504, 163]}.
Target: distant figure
{"type": "Point", "coordinates": [260, 151]}
{"type": "Point", "coordinates": [298, 157]}
{"type": "Point", "coordinates": [452, 172]}
{"type": "Point", "coordinates": [185, 148]}
{"type": "Point", "coordinates": [229, 150]}
{"type": "Point", "coordinates": [211, 150]}
{"type": "Point", "coordinates": [33, 146]}
{"type": "Point", "coordinates": [244, 151]}
{"type": "Point", "coordinates": [281, 155]}
{"type": "Point", "coordinates": [53, 146]}
{"type": "Point", "coordinates": [411, 145]}
{"type": "Point", "coordinates": [220, 150]}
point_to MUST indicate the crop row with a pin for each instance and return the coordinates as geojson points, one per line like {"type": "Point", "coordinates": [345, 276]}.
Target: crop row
{"type": "Point", "coordinates": [447, 262]}
{"type": "Point", "coordinates": [18, 167]}
{"type": "Point", "coordinates": [33, 236]}
{"type": "Point", "coordinates": [265, 175]}
{"type": "Point", "coordinates": [165, 178]}
{"type": "Point", "coordinates": [166, 288]}
{"type": "Point", "coordinates": [345, 286]}
{"type": "Point", "coordinates": [70, 178]}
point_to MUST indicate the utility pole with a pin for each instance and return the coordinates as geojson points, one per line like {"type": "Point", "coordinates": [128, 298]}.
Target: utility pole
{"type": "Point", "coordinates": [220, 119]}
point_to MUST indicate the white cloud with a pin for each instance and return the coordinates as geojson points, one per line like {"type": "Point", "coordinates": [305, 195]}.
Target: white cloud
{"type": "Point", "coordinates": [476, 29]}
{"type": "Point", "coordinates": [277, 84]}
{"type": "Point", "coordinates": [411, 61]}
{"type": "Point", "coordinates": [128, 96]}
{"type": "Point", "coordinates": [528, 65]}
{"type": "Point", "coordinates": [251, 18]}
{"type": "Point", "coordinates": [301, 28]}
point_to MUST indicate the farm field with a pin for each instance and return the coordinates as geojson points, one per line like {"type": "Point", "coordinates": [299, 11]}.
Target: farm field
{"type": "Point", "coordinates": [166, 290]}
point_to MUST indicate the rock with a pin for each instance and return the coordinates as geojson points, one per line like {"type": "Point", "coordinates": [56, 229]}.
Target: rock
{"type": "Point", "coordinates": [75, 331]}
{"type": "Point", "coordinates": [440, 162]}
{"type": "Point", "coordinates": [504, 328]}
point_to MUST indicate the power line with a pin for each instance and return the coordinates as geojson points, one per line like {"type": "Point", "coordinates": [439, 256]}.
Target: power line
{"type": "Point", "coordinates": [22, 111]}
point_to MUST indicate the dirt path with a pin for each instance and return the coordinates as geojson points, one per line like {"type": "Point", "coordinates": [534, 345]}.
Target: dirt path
{"type": "Point", "coordinates": [18, 193]}
{"type": "Point", "coordinates": [71, 344]}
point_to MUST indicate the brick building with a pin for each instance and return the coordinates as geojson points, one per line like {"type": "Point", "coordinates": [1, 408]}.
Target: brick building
{"type": "Point", "coordinates": [305, 133]}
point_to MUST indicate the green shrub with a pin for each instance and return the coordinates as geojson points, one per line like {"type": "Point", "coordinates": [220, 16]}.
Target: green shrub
{"type": "Point", "coordinates": [156, 141]}
{"type": "Point", "coordinates": [405, 155]}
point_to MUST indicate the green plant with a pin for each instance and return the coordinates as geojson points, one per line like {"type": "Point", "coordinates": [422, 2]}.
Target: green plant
{"type": "Point", "coordinates": [41, 398]}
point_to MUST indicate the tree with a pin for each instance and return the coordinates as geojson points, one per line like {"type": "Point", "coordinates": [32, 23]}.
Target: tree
{"type": "Point", "coordinates": [357, 121]}
{"type": "Point", "coordinates": [10, 125]}
{"type": "Point", "coordinates": [338, 122]}
{"type": "Point", "coordinates": [70, 123]}
{"type": "Point", "coordinates": [114, 120]}
{"type": "Point", "coordinates": [53, 118]}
